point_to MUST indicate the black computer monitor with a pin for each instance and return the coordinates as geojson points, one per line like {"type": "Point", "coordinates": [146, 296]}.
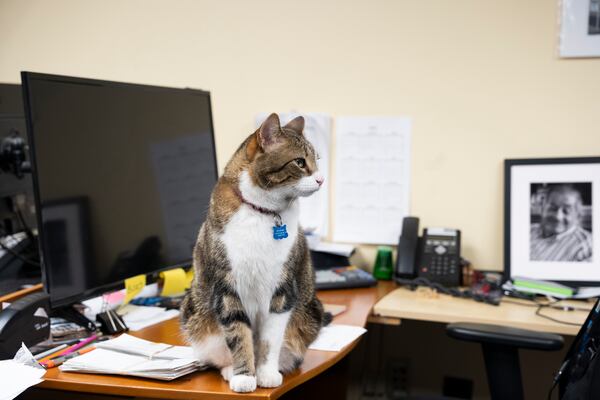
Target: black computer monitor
{"type": "Point", "coordinates": [122, 178]}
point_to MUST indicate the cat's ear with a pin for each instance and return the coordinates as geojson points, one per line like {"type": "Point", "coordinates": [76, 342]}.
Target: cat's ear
{"type": "Point", "coordinates": [268, 131]}
{"type": "Point", "coordinates": [297, 125]}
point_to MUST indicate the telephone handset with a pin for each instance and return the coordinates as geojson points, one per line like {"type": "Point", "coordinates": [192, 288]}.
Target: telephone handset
{"type": "Point", "coordinates": [435, 256]}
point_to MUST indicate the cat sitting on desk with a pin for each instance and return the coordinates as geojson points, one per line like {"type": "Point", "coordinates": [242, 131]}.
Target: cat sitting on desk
{"type": "Point", "coordinates": [252, 309]}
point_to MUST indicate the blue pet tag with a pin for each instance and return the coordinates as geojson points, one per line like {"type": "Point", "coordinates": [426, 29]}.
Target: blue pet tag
{"type": "Point", "coordinates": [279, 232]}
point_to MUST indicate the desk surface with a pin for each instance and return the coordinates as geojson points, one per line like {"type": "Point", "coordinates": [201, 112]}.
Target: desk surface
{"type": "Point", "coordinates": [209, 384]}
{"type": "Point", "coordinates": [403, 303]}
{"type": "Point", "coordinates": [395, 303]}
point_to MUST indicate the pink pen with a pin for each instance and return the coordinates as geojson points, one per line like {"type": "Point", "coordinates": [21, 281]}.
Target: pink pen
{"type": "Point", "coordinates": [79, 345]}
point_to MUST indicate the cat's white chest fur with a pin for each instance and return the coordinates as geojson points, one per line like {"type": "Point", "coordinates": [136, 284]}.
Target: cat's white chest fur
{"type": "Point", "coordinates": [256, 257]}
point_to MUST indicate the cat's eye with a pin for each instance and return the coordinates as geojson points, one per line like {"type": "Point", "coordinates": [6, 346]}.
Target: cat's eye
{"type": "Point", "coordinates": [300, 162]}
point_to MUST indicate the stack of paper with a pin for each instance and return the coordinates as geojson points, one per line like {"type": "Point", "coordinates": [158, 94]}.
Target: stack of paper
{"type": "Point", "coordinates": [128, 355]}
{"type": "Point", "coordinates": [545, 288]}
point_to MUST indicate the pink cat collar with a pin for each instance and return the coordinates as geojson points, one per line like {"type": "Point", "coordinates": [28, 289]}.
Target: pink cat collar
{"type": "Point", "coordinates": [260, 209]}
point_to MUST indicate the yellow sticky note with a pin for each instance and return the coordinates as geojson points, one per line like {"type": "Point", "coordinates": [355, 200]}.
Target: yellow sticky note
{"type": "Point", "coordinates": [133, 286]}
{"type": "Point", "coordinates": [189, 277]}
{"type": "Point", "coordinates": [174, 282]}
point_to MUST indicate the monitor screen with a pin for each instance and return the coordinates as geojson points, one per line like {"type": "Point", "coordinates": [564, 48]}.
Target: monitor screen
{"type": "Point", "coordinates": [122, 177]}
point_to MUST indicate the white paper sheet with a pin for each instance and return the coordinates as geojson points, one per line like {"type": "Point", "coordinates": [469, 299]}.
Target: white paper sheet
{"type": "Point", "coordinates": [339, 249]}
{"type": "Point", "coordinates": [587, 292]}
{"type": "Point", "coordinates": [139, 317]}
{"type": "Point", "coordinates": [18, 374]}
{"type": "Point", "coordinates": [314, 210]}
{"type": "Point", "coordinates": [336, 337]}
{"type": "Point", "coordinates": [16, 378]}
{"type": "Point", "coordinates": [372, 169]}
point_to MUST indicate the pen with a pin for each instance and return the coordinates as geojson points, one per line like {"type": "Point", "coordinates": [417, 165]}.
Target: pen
{"type": "Point", "coordinates": [79, 345]}
{"type": "Point", "coordinates": [68, 350]}
{"type": "Point", "coordinates": [68, 342]}
{"type": "Point", "coordinates": [50, 351]}
{"type": "Point", "coordinates": [59, 360]}
{"type": "Point", "coordinates": [55, 354]}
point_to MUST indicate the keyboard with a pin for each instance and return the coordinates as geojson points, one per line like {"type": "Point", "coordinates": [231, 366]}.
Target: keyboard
{"type": "Point", "coordinates": [343, 278]}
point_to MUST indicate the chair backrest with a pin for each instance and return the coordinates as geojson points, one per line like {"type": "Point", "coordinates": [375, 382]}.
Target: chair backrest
{"type": "Point", "coordinates": [580, 377]}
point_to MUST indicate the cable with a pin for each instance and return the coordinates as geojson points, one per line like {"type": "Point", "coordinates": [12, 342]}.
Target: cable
{"type": "Point", "coordinates": [24, 225]}
{"type": "Point", "coordinates": [17, 255]}
{"type": "Point", "coordinates": [538, 312]}
{"type": "Point", "coordinates": [558, 376]}
{"type": "Point", "coordinates": [413, 283]}
{"type": "Point", "coordinates": [535, 303]}
{"type": "Point", "coordinates": [569, 308]}
{"type": "Point", "coordinates": [552, 389]}
{"type": "Point", "coordinates": [551, 304]}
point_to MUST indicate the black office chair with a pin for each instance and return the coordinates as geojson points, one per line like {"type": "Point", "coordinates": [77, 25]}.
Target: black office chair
{"type": "Point", "coordinates": [578, 377]}
{"type": "Point", "coordinates": [500, 347]}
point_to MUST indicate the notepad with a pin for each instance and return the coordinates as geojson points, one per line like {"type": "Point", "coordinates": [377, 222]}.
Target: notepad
{"type": "Point", "coordinates": [128, 355]}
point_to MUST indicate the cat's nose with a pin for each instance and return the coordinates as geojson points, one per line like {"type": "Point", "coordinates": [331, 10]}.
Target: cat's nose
{"type": "Point", "coordinates": [320, 179]}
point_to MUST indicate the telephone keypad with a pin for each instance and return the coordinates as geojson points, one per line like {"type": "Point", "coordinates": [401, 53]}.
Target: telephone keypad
{"type": "Point", "coordinates": [439, 260]}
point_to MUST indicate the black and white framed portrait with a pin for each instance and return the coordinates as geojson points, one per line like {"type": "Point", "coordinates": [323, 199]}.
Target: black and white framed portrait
{"type": "Point", "coordinates": [579, 28]}
{"type": "Point", "coordinates": [551, 221]}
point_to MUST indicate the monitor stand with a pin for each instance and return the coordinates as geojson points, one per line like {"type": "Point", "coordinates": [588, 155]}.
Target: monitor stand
{"type": "Point", "coordinates": [71, 314]}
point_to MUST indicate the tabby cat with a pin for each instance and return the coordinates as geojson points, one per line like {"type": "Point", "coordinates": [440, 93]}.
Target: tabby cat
{"type": "Point", "coordinates": [252, 309]}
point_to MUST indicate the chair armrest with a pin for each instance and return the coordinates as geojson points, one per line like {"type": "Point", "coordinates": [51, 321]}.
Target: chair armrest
{"type": "Point", "coordinates": [495, 334]}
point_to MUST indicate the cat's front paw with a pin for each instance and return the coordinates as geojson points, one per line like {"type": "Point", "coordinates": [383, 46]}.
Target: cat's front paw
{"type": "Point", "coordinates": [227, 372]}
{"type": "Point", "coordinates": [268, 377]}
{"type": "Point", "coordinates": [242, 383]}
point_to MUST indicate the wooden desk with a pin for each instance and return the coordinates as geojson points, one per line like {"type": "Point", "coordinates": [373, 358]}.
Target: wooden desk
{"type": "Point", "coordinates": [404, 303]}
{"type": "Point", "coordinates": [209, 384]}
{"type": "Point", "coordinates": [9, 298]}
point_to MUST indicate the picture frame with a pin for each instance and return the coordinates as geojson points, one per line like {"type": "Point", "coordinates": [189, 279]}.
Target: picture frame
{"type": "Point", "coordinates": [552, 220]}
{"type": "Point", "coordinates": [579, 30]}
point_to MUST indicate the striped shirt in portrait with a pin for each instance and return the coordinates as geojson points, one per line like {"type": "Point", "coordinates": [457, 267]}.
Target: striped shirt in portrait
{"type": "Point", "coordinates": [572, 245]}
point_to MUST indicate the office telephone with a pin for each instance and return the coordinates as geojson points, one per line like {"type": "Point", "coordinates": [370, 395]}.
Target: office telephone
{"type": "Point", "coordinates": [435, 256]}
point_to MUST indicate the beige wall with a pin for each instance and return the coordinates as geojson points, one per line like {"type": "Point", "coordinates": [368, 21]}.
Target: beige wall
{"type": "Point", "coordinates": [480, 79]}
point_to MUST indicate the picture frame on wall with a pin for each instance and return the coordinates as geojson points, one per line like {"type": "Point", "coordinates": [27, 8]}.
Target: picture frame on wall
{"type": "Point", "coordinates": [552, 220]}
{"type": "Point", "coordinates": [579, 31]}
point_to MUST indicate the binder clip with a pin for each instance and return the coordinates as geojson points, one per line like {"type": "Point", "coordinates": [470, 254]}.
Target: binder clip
{"type": "Point", "coordinates": [111, 322]}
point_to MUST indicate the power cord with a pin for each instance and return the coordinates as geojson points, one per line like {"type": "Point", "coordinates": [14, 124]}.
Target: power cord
{"type": "Point", "coordinates": [17, 255]}
{"type": "Point", "coordinates": [24, 224]}
{"type": "Point", "coordinates": [552, 389]}
{"type": "Point", "coordinates": [552, 304]}
{"type": "Point", "coordinates": [539, 313]}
